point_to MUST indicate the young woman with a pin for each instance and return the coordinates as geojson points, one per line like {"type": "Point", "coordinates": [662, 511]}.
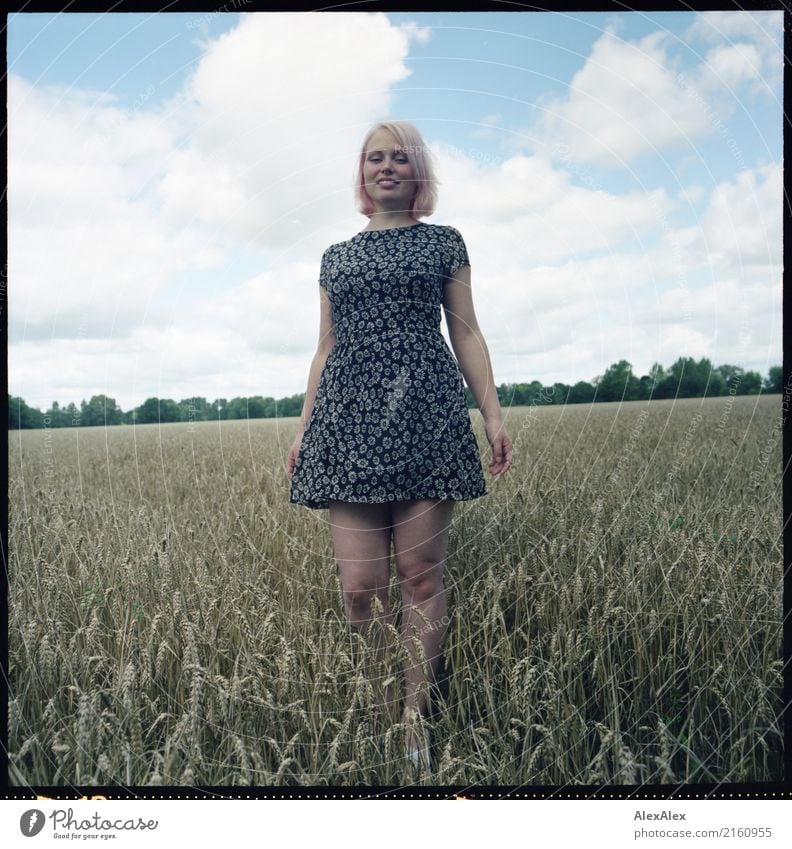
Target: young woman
{"type": "Point", "coordinates": [385, 440]}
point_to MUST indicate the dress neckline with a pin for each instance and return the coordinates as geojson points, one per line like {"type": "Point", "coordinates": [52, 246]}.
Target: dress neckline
{"type": "Point", "coordinates": [388, 229]}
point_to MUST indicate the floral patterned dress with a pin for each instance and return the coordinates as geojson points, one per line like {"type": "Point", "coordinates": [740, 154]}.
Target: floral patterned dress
{"type": "Point", "coordinates": [389, 421]}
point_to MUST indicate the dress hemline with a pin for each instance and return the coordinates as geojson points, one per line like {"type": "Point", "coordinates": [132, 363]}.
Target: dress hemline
{"type": "Point", "coordinates": [323, 504]}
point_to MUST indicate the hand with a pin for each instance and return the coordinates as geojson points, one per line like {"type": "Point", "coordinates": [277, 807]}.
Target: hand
{"type": "Point", "coordinates": [293, 452]}
{"type": "Point", "coordinates": [501, 447]}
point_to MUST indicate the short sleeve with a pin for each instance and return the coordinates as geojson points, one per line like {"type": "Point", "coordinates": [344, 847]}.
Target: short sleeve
{"type": "Point", "coordinates": [324, 269]}
{"type": "Point", "coordinates": [457, 251]}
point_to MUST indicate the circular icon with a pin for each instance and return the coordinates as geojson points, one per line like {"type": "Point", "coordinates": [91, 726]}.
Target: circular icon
{"type": "Point", "coordinates": [31, 822]}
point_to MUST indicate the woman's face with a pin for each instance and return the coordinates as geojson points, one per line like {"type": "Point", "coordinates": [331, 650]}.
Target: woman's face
{"type": "Point", "coordinates": [388, 172]}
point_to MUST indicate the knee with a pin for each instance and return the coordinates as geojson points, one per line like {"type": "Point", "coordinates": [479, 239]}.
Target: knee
{"type": "Point", "coordinates": [420, 579]}
{"type": "Point", "coordinates": [359, 602]}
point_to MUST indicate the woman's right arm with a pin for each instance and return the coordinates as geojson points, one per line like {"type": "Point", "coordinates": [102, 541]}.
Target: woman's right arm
{"type": "Point", "coordinates": [327, 340]}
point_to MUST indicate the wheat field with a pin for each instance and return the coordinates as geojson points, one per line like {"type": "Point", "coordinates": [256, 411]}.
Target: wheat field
{"type": "Point", "coordinates": [615, 608]}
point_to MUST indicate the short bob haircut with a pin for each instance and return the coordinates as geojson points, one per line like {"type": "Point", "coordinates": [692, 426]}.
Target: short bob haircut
{"type": "Point", "coordinates": [409, 138]}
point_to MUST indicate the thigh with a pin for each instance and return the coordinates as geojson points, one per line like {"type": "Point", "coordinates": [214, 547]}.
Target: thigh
{"type": "Point", "coordinates": [361, 536]}
{"type": "Point", "coordinates": [420, 533]}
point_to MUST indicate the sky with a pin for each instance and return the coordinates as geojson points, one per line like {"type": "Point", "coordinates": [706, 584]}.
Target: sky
{"type": "Point", "coordinates": [174, 179]}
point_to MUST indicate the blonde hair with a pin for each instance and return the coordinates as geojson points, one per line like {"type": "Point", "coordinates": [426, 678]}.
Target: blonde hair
{"type": "Point", "coordinates": [410, 140]}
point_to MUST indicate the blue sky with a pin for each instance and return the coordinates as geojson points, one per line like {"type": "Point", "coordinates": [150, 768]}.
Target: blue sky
{"type": "Point", "coordinates": [617, 179]}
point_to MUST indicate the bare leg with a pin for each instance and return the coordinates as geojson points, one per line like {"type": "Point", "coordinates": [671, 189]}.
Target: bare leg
{"type": "Point", "coordinates": [361, 544]}
{"type": "Point", "coordinates": [420, 537]}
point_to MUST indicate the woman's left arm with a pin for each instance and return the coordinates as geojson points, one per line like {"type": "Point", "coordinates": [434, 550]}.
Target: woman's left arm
{"type": "Point", "coordinates": [473, 356]}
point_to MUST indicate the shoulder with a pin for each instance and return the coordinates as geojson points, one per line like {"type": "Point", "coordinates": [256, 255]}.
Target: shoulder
{"type": "Point", "coordinates": [330, 250]}
{"type": "Point", "coordinates": [448, 233]}
{"type": "Point", "coordinates": [451, 238]}
{"type": "Point", "coordinates": [326, 266]}
{"type": "Point", "coordinates": [445, 234]}
{"type": "Point", "coordinates": [441, 228]}
{"type": "Point", "coordinates": [454, 249]}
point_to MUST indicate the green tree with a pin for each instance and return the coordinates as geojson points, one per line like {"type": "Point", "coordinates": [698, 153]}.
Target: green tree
{"type": "Point", "coordinates": [535, 393]}
{"type": "Point", "coordinates": [730, 375]}
{"type": "Point", "coordinates": [515, 394]}
{"type": "Point", "coordinates": [256, 407]}
{"type": "Point", "coordinates": [21, 416]}
{"type": "Point", "coordinates": [292, 406]}
{"type": "Point", "coordinates": [169, 411]}
{"type": "Point", "coordinates": [506, 394]}
{"type": "Point", "coordinates": [581, 393]}
{"type": "Point", "coordinates": [160, 410]}
{"type": "Point", "coordinates": [751, 383]}
{"type": "Point", "coordinates": [561, 393]}
{"type": "Point", "coordinates": [690, 379]}
{"type": "Point", "coordinates": [270, 405]}
{"type": "Point", "coordinates": [100, 411]}
{"type": "Point", "coordinates": [195, 409]}
{"type": "Point", "coordinates": [147, 412]}
{"type": "Point", "coordinates": [72, 415]}
{"type": "Point", "coordinates": [715, 386]}
{"type": "Point", "coordinates": [239, 408]}
{"type": "Point", "coordinates": [618, 383]}
{"type": "Point", "coordinates": [647, 386]}
{"type": "Point", "coordinates": [775, 380]}
{"type": "Point", "coordinates": [657, 373]}
{"type": "Point", "coordinates": [56, 415]}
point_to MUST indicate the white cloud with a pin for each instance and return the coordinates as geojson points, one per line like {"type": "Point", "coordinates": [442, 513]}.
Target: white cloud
{"type": "Point", "coordinates": [484, 129]}
{"type": "Point", "coordinates": [274, 113]}
{"type": "Point", "coordinates": [744, 220]}
{"type": "Point", "coordinates": [763, 31]}
{"type": "Point", "coordinates": [739, 231]}
{"type": "Point", "coordinates": [734, 64]}
{"type": "Point", "coordinates": [83, 237]}
{"type": "Point", "coordinates": [624, 101]}
{"type": "Point", "coordinates": [691, 194]}
{"type": "Point", "coordinates": [765, 28]}
{"type": "Point", "coordinates": [123, 200]}
{"type": "Point", "coordinates": [710, 289]}
{"type": "Point", "coordinates": [525, 201]}
{"type": "Point", "coordinates": [630, 98]}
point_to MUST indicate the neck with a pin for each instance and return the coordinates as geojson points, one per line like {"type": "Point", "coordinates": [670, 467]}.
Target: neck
{"type": "Point", "coordinates": [382, 219]}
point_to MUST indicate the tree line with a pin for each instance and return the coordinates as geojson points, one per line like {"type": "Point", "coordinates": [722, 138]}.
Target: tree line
{"type": "Point", "coordinates": [686, 378]}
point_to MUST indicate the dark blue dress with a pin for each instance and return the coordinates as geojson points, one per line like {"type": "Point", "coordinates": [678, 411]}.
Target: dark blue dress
{"type": "Point", "coordinates": [389, 422]}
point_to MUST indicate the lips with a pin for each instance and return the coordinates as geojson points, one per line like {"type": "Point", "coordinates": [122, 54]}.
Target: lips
{"type": "Point", "coordinates": [387, 183]}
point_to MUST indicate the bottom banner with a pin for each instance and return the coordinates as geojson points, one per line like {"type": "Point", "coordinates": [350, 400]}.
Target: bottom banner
{"type": "Point", "coordinates": [327, 823]}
